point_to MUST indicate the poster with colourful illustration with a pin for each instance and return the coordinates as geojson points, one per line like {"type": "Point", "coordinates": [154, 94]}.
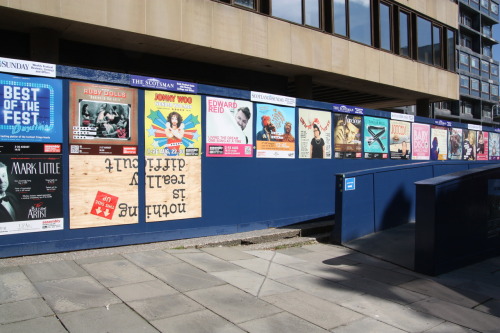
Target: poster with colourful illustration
{"type": "Point", "coordinates": [173, 124]}
{"type": "Point", "coordinates": [400, 140]}
{"type": "Point", "coordinates": [420, 141]}
{"type": "Point", "coordinates": [31, 112]}
{"type": "Point", "coordinates": [31, 193]}
{"type": "Point", "coordinates": [229, 127]}
{"type": "Point", "coordinates": [315, 134]}
{"type": "Point", "coordinates": [439, 143]}
{"type": "Point", "coordinates": [347, 135]}
{"type": "Point", "coordinates": [275, 131]}
{"type": "Point", "coordinates": [469, 145]}
{"type": "Point", "coordinates": [376, 132]}
{"type": "Point", "coordinates": [455, 143]}
{"type": "Point", "coordinates": [494, 146]}
{"type": "Point", "coordinates": [103, 119]}
{"type": "Point", "coordinates": [482, 146]}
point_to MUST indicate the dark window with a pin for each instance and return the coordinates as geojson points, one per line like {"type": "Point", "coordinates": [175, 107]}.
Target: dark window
{"type": "Point", "coordinates": [339, 17]}
{"type": "Point", "coordinates": [360, 21]}
{"type": "Point", "coordinates": [450, 50]}
{"type": "Point", "coordinates": [385, 27]}
{"type": "Point", "coordinates": [424, 40]}
{"type": "Point", "coordinates": [466, 41]}
{"type": "Point", "coordinates": [466, 107]}
{"type": "Point", "coordinates": [404, 34]}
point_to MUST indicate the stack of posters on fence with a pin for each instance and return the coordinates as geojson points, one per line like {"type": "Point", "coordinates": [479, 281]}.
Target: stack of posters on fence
{"type": "Point", "coordinates": [275, 131]}
{"type": "Point", "coordinates": [347, 135]}
{"type": "Point", "coordinates": [315, 134]}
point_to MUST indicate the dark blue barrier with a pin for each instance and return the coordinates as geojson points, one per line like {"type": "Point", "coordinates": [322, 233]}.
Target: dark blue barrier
{"type": "Point", "coordinates": [372, 200]}
{"type": "Point", "coordinates": [457, 219]}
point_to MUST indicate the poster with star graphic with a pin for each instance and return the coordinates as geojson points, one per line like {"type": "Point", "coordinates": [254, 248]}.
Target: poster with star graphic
{"type": "Point", "coordinates": [173, 160]}
{"type": "Point", "coordinates": [173, 124]}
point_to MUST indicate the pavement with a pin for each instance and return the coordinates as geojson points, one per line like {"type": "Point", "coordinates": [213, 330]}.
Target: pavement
{"type": "Point", "coordinates": [170, 287]}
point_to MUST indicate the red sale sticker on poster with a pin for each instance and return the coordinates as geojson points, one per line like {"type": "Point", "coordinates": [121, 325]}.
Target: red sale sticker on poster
{"type": "Point", "coordinates": [104, 205]}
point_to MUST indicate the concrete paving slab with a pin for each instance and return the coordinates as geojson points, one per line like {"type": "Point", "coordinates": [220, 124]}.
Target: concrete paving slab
{"type": "Point", "coordinates": [196, 322]}
{"type": "Point", "coordinates": [459, 315]}
{"type": "Point", "coordinates": [361, 258]}
{"type": "Point", "coordinates": [384, 291]}
{"type": "Point", "coordinates": [164, 306]}
{"type": "Point", "coordinates": [367, 324]}
{"type": "Point", "coordinates": [227, 253]}
{"type": "Point", "coordinates": [319, 287]}
{"type": "Point", "coordinates": [151, 258]}
{"type": "Point", "coordinates": [143, 290]}
{"type": "Point", "coordinates": [184, 277]}
{"type": "Point", "coordinates": [491, 307]}
{"type": "Point", "coordinates": [117, 273]}
{"type": "Point", "coordinates": [293, 251]}
{"type": "Point", "coordinates": [313, 309]}
{"type": "Point", "coordinates": [334, 250]}
{"type": "Point", "coordinates": [267, 268]}
{"type": "Point", "coordinates": [117, 318]}
{"type": "Point", "coordinates": [75, 294]}
{"type": "Point", "coordinates": [232, 303]}
{"type": "Point", "coordinates": [324, 257]}
{"type": "Point", "coordinates": [281, 322]}
{"type": "Point", "coordinates": [251, 282]}
{"type": "Point", "coordinates": [53, 271]}
{"type": "Point", "coordinates": [478, 287]}
{"type": "Point", "coordinates": [434, 289]}
{"type": "Point", "coordinates": [378, 273]}
{"type": "Point", "coordinates": [182, 250]}
{"type": "Point", "coordinates": [94, 258]}
{"type": "Point", "coordinates": [392, 314]}
{"type": "Point", "coordinates": [15, 286]}
{"type": "Point", "coordinates": [447, 327]}
{"type": "Point", "coordinates": [42, 324]}
{"type": "Point", "coordinates": [324, 271]}
{"type": "Point", "coordinates": [206, 262]}
{"type": "Point", "coordinates": [276, 257]}
{"type": "Point", "coordinates": [24, 310]}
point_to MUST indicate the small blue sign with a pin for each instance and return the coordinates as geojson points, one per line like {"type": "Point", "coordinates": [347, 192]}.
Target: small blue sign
{"type": "Point", "coordinates": [350, 184]}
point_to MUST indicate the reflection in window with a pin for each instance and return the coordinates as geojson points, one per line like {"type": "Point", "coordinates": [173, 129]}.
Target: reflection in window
{"type": "Point", "coordinates": [290, 10]}
{"type": "Point", "coordinates": [487, 30]}
{"type": "Point", "coordinates": [464, 81]}
{"type": "Point", "coordinates": [474, 62]}
{"type": "Point", "coordinates": [245, 3]}
{"type": "Point", "coordinates": [494, 8]}
{"type": "Point", "coordinates": [436, 45]}
{"type": "Point", "coordinates": [494, 91]}
{"type": "Point", "coordinates": [424, 40]}
{"type": "Point", "coordinates": [360, 21]}
{"type": "Point", "coordinates": [464, 59]}
{"type": "Point", "coordinates": [339, 17]}
{"type": "Point", "coordinates": [404, 23]}
{"type": "Point", "coordinates": [385, 27]}
{"type": "Point", "coordinates": [484, 4]}
{"type": "Point", "coordinates": [485, 87]}
{"type": "Point", "coordinates": [494, 70]}
{"type": "Point", "coordinates": [451, 50]}
{"type": "Point", "coordinates": [487, 51]}
{"type": "Point", "coordinates": [485, 67]}
{"type": "Point", "coordinates": [466, 107]}
{"type": "Point", "coordinates": [474, 84]}
{"type": "Point", "coordinates": [312, 13]}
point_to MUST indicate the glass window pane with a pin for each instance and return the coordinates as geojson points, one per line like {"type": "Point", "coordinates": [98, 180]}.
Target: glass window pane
{"type": "Point", "coordinates": [485, 87]}
{"type": "Point", "coordinates": [290, 10]}
{"type": "Point", "coordinates": [404, 46]}
{"type": "Point", "coordinates": [451, 50]}
{"type": "Point", "coordinates": [484, 4]}
{"type": "Point", "coordinates": [464, 58]}
{"type": "Point", "coordinates": [494, 8]}
{"type": "Point", "coordinates": [464, 81]}
{"type": "Point", "coordinates": [485, 66]}
{"type": "Point", "coordinates": [312, 13]}
{"type": "Point", "coordinates": [474, 62]}
{"type": "Point", "coordinates": [360, 21]}
{"type": "Point", "coordinates": [424, 40]}
{"type": "Point", "coordinates": [245, 3]}
{"type": "Point", "coordinates": [385, 27]}
{"type": "Point", "coordinates": [436, 48]}
{"type": "Point", "coordinates": [494, 70]}
{"type": "Point", "coordinates": [474, 84]}
{"type": "Point", "coordinates": [339, 17]}
{"type": "Point", "coordinates": [494, 90]}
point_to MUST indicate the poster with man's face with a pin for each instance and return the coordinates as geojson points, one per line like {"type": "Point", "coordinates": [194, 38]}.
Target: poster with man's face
{"type": "Point", "coordinates": [347, 135]}
{"type": "Point", "coordinates": [315, 134]}
{"type": "Point", "coordinates": [229, 127]}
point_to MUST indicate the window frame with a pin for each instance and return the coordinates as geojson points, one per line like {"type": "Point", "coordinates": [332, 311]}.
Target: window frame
{"type": "Point", "coordinates": [390, 7]}
{"type": "Point", "coordinates": [302, 14]}
{"type": "Point", "coordinates": [408, 33]}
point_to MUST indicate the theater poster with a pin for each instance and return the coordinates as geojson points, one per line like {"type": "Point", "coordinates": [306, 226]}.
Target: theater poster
{"type": "Point", "coordinates": [400, 140]}
{"type": "Point", "coordinates": [494, 146]}
{"type": "Point", "coordinates": [229, 127]}
{"type": "Point", "coordinates": [376, 133]}
{"type": "Point", "coordinates": [30, 115]}
{"type": "Point", "coordinates": [32, 193]}
{"type": "Point", "coordinates": [173, 124]}
{"type": "Point", "coordinates": [482, 145]}
{"type": "Point", "coordinates": [103, 119]}
{"type": "Point", "coordinates": [315, 134]}
{"type": "Point", "coordinates": [455, 143]}
{"type": "Point", "coordinates": [420, 141]}
{"type": "Point", "coordinates": [439, 143]}
{"type": "Point", "coordinates": [347, 135]}
{"type": "Point", "coordinates": [275, 131]}
{"type": "Point", "coordinates": [469, 145]}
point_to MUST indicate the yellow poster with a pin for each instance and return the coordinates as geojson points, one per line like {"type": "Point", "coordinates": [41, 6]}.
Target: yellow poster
{"type": "Point", "coordinates": [173, 124]}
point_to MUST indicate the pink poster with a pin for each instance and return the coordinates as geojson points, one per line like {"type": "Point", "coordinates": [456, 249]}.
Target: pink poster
{"type": "Point", "coordinates": [482, 146]}
{"type": "Point", "coordinates": [420, 142]}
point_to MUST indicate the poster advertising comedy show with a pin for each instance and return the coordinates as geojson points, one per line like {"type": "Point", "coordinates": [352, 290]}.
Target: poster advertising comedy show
{"type": "Point", "coordinates": [173, 124]}
{"type": "Point", "coordinates": [229, 127]}
{"type": "Point", "coordinates": [315, 134]}
{"type": "Point", "coordinates": [275, 131]}
{"type": "Point", "coordinates": [420, 142]}
{"type": "Point", "coordinates": [400, 140]}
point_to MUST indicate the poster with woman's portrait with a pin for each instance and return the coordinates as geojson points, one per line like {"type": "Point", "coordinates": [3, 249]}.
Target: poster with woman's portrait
{"type": "Point", "coordinates": [455, 143]}
{"type": "Point", "coordinates": [376, 132]}
{"type": "Point", "coordinates": [420, 141]}
{"type": "Point", "coordinates": [347, 135]}
{"type": "Point", "coordinates": [482, 146]}
{"type": "Point", "coordinates": [173, 124]}
{"type": "Point", "coordinates": [469, 145]}
{"type": "Point", "coordinates": [315, 134]}
{"type": "Point", "coordinates": [229, 127]}
{"type": "Point", "coordinates": [439, 143]}
{"type": "Point", "coordinates": [494, 146]}
{"type": "Point", "coordinates": [400, 140]}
